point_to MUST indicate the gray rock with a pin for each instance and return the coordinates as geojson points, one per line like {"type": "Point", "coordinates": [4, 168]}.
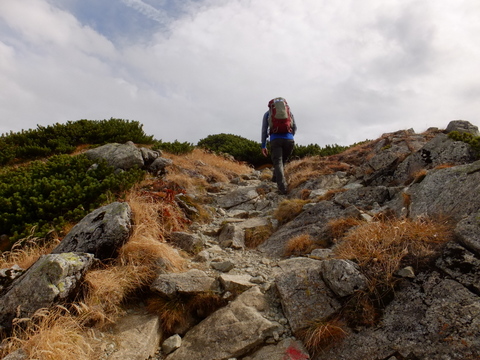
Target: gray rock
{"type": "Point", "coordinates": [120, 156]}
{"type": "Point", "coordinates": [312, 221]}
{"type": "Point", "coordinates": [301, 290]}
{"type": "Point", "coordinates": [462, 126]}
{"type": "Point", "coordinates": [137, 337]}
{"type": "Point", "coordinates": [462, 265]}
{"type": "Point", "coordinates": [232, 236]}
{"type": "Point", "coordinates": [191, 282]}
{"type": "Point", "coordinates": [241, 196]}
{"type": "Point", "coordinates": [430, 318]}
{"type": "Point", "coordinates": [7, 276]}
{"type": "Point", "coordinates": [102, 232]}
{"type": "Point", "coordinates": [159, 165]}
{"type": "Point", "coordinates": [235, 283]}
{"type": "Point", "coordinates": [467, 232]}
{"type": "Point", "coordinates": [438, 151]}
{"type": "Point", "coordinates": [19, 354]}
{"type": "Point", "coordinates": [287, 349]}
{"type": "Point", "coordinates": [52, 278]}
{"type": "Point", "coordinates": [451, 191]}
{"type": "Point", "coordinates": [230, 332]}
{"type": "Point", "coordinates": [343, 277]}
{"type": "Point", "coordinates": [171, 344]}
{"type": "Point", "coordinates": [363, 197]}
{"type": "Point", "coordinates": [223, 266]}
{"type": "Point", "coordinates": [189, 242]}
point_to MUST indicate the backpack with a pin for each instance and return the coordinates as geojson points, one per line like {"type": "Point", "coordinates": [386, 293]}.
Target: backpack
{"type": "Point", "coordinates": [279, 118]}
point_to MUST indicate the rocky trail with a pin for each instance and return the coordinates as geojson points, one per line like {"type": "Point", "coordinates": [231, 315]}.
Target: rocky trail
{"type": "Point", "coordinates": [260, 303]}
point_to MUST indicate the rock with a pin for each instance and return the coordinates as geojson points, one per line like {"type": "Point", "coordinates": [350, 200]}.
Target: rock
{"type": "Point", "coordinates": [235, 283]}
{"type": "Point", "coordinates": [343, 277]}
{"type": "Point", "coordinates": [223, 266]}
{"type": "Point", "coordinates": [406, 272]}
{"type": "Point", "coordinates": [19, 354]}
{"type": "Point", "coordinates": [232, 236]}
{"type": "Point", "coordinates": [438, 151]}
{"type": "Point", "coordinates": [467, 232]}
{"type": "Point", "coordinates": [188, 283]}
{"type": "Point", "coordinates": [462, 126]}
{"type": "Point", "coordinates": [430, 318]}
{"type": "Point", "coordinates": [229, 332]}
{"type": "Point", "coordinates": [321, 254]}
{"type": "Point", "coordinates": [189, 242]}
{"type": "Point", "coordinates": [7, 276]}
{"type": "Point", "coordinates": [363, 197]}
{"type": "Point", "coordinates": [241, 196]}
{"type": "Point", "coordinates": [137, 337]}
{"type": "Point", "coordinates": [159, 165]}
{"type": "Point", "coordinates": [448, 192]}
{"type": "Point", "coordinates": [52, 278]}
{"type": "Point", "coordinates": [288, 349]}
{"type": "Point", "coordinates": [102, 232]}
{"type": "Point", "coordinates": [312, 221]}
{"type": "Point", "coordinates": [462, 265]}
{"type": "Point", "coordinates": [171, 344]}
{"type": "Point", "coordinates": [301, 289]}
{"type": "Point", "coordinates": [120, 156]}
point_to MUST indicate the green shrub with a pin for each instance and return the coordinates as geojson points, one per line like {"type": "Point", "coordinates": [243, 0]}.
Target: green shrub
{"type": "Point", "coordinates": [176, 147]}
{"type": "Point", "coordinates": [64, 138]}
{"type": "Point", "coordinates": [473, 141]}
{"type": "Point", "coordinates": [239, 147]}
{"type": "Point", "coordinates": [48, 195]}
{"type": "Point", "coordinates": [302, 151]}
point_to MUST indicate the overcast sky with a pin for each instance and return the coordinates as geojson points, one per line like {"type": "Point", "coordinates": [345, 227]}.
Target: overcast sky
{"type": "Point", "coordinates": [351, 70]}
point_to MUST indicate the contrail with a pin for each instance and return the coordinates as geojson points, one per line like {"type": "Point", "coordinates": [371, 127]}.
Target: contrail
{"type": "Point", "coordinates": [147, 10]}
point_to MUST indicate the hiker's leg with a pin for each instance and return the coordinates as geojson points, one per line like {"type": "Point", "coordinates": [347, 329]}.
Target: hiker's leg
{"type": "Point", "coordinates": [277, 159]}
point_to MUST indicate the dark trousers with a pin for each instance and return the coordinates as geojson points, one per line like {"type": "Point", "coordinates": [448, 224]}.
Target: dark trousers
{"type": "Point", "coordinates": [281, 149]}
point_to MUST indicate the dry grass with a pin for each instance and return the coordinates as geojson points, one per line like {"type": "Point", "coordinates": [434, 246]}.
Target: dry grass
{"type": "Point", "coordinates": [300, 171]}
{"type": "Point", "coordinates": [195, 170]}
{"type": "Point", "coordinates": [337, 228]}
{"type": "Point", "coordinates": [321, 335]}
{"type": "Point", "coordinates": [382, 247]}
{"type": "Point", "coordinates": [299, 245]}
{"type": "Point", "coordinates": [256, 236]}
{"type": "Point", "coordinates": [288, 209]}
{"type": "Point", "coordinates": [26, 252]}
{"type": "Point", "coordinates": [178, 313]}
{"type": "Point", "coordinates": [51, 335]}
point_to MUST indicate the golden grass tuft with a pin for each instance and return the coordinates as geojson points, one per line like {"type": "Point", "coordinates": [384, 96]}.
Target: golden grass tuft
{"type": "Point", "coordinates": [207, 166]}
{"type": "Point", "coordinates": [300, 171]}
{"type": "Point", "coordinates": [288, 209]}
{"type": "Point", "coordinates": [337, 228]}
{"type": "Point", "coordinates": [381, 247]}
{"type": "Point", "coordinates": [299, 245]}
{"type": "Point", "coordinates": [256, 236]}
{"type": "Point", "coordinates": [52, 334]}
{"type": "Point", "coordinates": [321, 335]}
{"type": "Point", "coordinates": [26, 252]}
{"type": "Point", "coordinates": [179, 312]}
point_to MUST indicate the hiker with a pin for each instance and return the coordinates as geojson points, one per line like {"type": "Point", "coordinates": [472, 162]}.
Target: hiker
{"type": "Point", "coordinates": [279, 123]}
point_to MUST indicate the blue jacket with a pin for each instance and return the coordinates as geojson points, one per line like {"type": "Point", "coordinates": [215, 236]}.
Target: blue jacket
{"type": "Point", "coordinates": [265, 131]}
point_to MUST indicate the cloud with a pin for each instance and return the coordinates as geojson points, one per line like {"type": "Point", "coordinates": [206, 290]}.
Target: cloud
{"type": "Point", "coordinates": [350, 70]}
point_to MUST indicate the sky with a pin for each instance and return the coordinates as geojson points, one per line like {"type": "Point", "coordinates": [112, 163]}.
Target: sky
{"type": "Point", "coordinates": [351, 70]}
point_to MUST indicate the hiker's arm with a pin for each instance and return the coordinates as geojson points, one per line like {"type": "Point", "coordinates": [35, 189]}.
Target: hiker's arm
{"type": "Point", "coordinates": [294, 124]}
{"type": "Point", "coordinates": [264, 130]}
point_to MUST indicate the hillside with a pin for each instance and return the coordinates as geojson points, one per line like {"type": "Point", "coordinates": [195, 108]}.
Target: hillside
{"type": "Point", "coordinates": [374, 254]}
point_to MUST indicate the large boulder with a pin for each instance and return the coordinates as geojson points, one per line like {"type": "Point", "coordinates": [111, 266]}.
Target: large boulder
{"type": "Point", "coordinates": [191, 282]}
{"type": "Point", "coordinates": [230, 332]}
{"type": "Point", "coordinates": [452, 191]}
{"type": "Point", "coordinates": [120, 156]}
{"type": "Point", "coordinates": [438, 151]}
{"type": "Point", "coordinates": [304, 295]}
{"type": "Point", "coordinates": [102, 232]}
{"type": "Point", "coordinates": [52, 278]}
{"type": "Point", "coordinates": [462, 126]}
{"type": "Point", "coordinates": [430, 318]}
{"type": "Point", "coordinates": [312, 221]}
